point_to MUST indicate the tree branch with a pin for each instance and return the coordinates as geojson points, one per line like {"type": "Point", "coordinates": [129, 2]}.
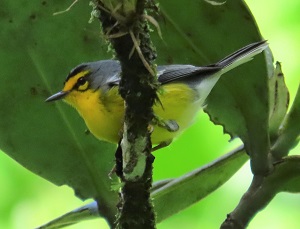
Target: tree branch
{"type": "Point", "coordinates": [285, 177]}
{"type": "Point", "coordinates": [128, 33]}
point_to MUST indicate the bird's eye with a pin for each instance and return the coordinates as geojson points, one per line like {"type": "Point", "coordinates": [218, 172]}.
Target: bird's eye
{"type": "Point", "coordinates": [82, 84]}
{"type": "Point", "coordinates": [81, 81]}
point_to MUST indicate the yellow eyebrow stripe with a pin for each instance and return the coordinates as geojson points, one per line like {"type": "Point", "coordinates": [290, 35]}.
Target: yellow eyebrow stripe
{"type": "Point", "coordinates": [72, 81]}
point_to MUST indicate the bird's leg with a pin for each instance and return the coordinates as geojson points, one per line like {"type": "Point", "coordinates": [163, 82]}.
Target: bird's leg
{"type": "Point", "coordinates": [161, 145]}
{"type": "Point", "coordinates": [169, 125]}
{"type": "Point", "coordinates": [117, 168]}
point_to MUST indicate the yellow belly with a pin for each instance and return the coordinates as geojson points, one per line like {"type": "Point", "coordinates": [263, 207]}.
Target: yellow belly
{"type": "Point", "coordinates": [179, 104]}
{"type": "Point", "coordinates": [105, 119]}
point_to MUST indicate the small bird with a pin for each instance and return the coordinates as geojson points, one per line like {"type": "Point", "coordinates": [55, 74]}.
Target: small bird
{"type": "Point", "coordinates": [92, 89]}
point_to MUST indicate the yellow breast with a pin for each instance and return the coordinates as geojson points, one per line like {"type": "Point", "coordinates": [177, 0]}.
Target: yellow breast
{"type": "Point", "coordinates": [103, 113]}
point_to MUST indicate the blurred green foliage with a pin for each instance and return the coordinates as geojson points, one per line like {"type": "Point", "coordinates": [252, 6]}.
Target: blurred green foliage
{"type": "Point", "coordinates": [28, 201]}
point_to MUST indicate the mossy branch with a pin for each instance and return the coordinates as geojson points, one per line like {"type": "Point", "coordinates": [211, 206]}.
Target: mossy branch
{"type": "Point", "coordinates": [127, 30]}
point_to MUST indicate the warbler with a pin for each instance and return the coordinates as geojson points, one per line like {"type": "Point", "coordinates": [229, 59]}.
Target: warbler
{"type": "Point", "coordinates": [92, 88]}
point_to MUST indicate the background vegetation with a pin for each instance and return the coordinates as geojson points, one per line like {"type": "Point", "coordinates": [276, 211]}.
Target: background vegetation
{"type": "Point", "coordinates": [27, 201]}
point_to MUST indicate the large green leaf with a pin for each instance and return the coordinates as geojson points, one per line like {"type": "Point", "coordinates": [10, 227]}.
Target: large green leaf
{"type": "Point", "coordinates": [37, 51]}
{"type": "Point", "coordinates": [206, 34]}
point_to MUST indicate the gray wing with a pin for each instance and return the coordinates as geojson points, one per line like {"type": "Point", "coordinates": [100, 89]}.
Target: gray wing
{"type": "Point", "coordinates": [192, 73]}
{"type": "Point", "coordinates": [169, 73]}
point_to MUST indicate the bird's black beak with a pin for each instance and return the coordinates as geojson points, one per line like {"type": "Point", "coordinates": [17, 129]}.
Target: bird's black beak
{"type": "Point", "coordinates": [57, 96]}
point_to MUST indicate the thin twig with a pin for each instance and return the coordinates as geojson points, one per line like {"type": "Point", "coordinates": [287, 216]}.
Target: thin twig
{"type": "Point", "coordinates": [153, 22]}
{"type": "Point", "coordinates": [66, 10]}
{"type": "Point", "coordinates": [139, 51]}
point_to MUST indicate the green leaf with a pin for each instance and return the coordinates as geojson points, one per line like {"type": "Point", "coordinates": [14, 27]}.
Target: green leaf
{"type": "Point", "coordinates": [206, 34]}
{"type": "Point", "coordinates": [177, 194]}
{"type": "Point", "coordinates": [290, 130]}
{"type": "Point", "coordinates": [196, 185]}
{"type": "Point", "coordinates": [86, 212]}
{"type": "Point", "coordinates": [287, 174]}
{"type": "Point", "coordinates": [279, 102]}
{"type": "Point", "coordinates": [37, 52]}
